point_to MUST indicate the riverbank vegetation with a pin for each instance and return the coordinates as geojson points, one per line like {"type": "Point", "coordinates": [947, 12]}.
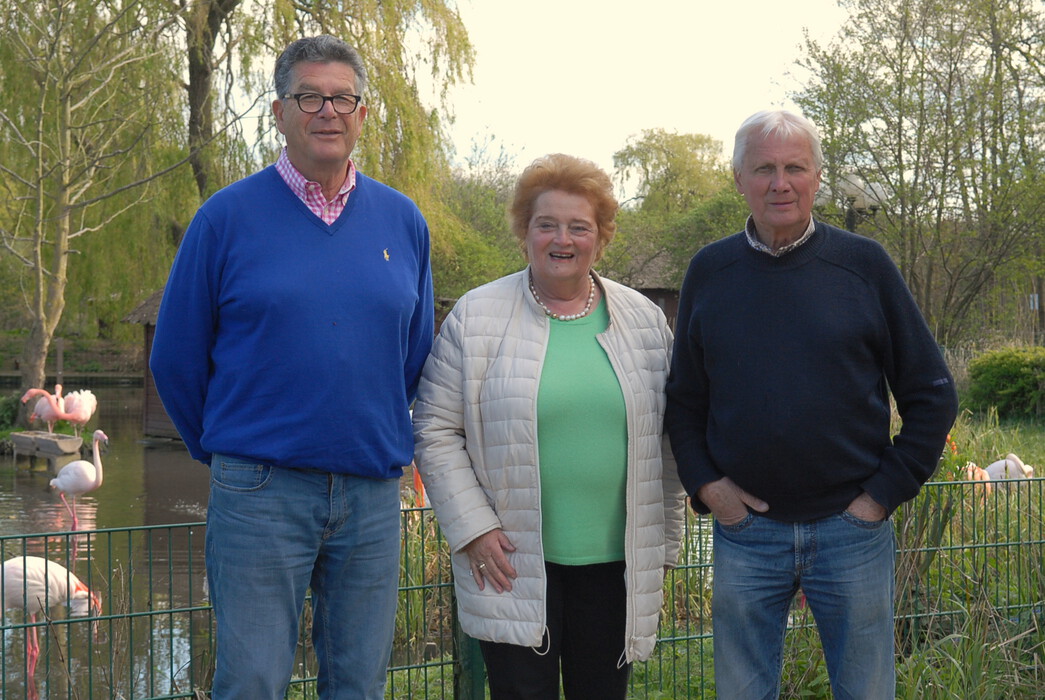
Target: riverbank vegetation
{"type": "Point", "coordinates": [970, 592]}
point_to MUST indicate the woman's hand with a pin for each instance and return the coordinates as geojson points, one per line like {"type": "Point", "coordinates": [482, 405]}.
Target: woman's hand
{"type": "Point", "coordinates": [488, 560]}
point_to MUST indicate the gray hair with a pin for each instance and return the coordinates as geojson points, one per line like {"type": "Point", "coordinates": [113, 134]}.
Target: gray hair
{"type": "Point", "coordinates": [779, 121]}
{"type": "Point", "coordinates": [317, 49]}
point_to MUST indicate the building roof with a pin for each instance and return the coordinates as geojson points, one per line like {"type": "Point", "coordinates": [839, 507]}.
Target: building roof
{"type": "Point", "coordinates": [146, 312]}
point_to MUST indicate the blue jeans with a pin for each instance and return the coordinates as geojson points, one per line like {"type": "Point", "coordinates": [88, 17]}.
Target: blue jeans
{"type": "Point", "coordinates": [844, 566]}
{"type": "Point", "coordinates": [272, 533]}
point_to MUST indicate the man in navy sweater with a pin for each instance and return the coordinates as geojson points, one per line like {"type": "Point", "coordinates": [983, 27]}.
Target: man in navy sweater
{"type": "Point", "coordinates": [290, 341]}
{"type": "Point", "coordinates": [790, 337]}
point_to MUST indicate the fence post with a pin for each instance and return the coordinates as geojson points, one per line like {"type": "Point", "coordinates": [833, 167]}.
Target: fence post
{"type": "Point", "coordinates": [469, 671]}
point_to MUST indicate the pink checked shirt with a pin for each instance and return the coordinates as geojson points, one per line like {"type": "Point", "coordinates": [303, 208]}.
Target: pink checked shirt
{"type": "Point", "coordinates": [311, 193]}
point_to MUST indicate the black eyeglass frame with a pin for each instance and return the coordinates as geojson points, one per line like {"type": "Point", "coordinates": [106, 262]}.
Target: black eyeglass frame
{"type": "Point", "coordinates": [326, 98]}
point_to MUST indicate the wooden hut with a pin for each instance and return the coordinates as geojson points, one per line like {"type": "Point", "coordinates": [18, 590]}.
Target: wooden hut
{"type": "Point", "coordinates": [155, 421]}
{"type": "Point", "coordinates": [654, 280]}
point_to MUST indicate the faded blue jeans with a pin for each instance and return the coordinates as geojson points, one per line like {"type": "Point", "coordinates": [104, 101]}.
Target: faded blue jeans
{"type": "Point", "coordinates": [273, 533]}
{"type": "Point", "coordinates": [844, 566]}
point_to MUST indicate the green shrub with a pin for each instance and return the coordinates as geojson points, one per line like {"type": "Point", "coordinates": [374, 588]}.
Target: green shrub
{"type": "Point", "coordinates": [1011, 379]}
{"type": "Point", "coordinates": [8, 411]}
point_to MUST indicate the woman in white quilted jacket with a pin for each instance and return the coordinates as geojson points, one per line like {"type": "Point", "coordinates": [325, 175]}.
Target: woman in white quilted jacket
{"type": "Point", "coordinates": [538, 428]}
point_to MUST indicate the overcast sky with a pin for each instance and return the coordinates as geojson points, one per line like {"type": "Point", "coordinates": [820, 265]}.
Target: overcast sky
{"type": "Point", "coordinates": [581, 76]}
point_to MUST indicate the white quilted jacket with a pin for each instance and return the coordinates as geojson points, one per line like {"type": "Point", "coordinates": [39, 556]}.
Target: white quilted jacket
{"type": "Point", "coordinates": [476, 437]}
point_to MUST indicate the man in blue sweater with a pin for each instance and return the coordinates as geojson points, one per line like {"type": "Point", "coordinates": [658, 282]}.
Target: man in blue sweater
{"type": "Point", "coordinates": [290, 341]}
{"type": "Point", "coordinates": [790, 337]}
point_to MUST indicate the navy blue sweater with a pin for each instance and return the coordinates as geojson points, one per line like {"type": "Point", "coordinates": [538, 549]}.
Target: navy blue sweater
{"type": "Point", "coordinates": [781, 374]}
{"type": "Point", "coordinates": [293, 342]}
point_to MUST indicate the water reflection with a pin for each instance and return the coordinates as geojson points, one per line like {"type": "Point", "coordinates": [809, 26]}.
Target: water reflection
{"type": "Point", "coordinates": [150, 578]}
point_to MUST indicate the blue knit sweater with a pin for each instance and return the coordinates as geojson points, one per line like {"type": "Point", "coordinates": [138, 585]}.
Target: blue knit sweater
{"type": "Point", "coordinates": [781, 375]}
{"type": "Point", "coordinates": [295, 343]}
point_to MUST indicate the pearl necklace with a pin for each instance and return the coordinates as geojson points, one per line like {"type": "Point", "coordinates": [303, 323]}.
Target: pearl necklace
{"type": "Point", "coordinates": [566, 317]}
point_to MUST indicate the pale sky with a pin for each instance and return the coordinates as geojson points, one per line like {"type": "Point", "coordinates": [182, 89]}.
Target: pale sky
{"type": "Point", "coordinates": [581, 76]}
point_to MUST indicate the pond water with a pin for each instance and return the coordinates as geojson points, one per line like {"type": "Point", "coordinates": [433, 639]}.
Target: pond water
{"type": "Point", "coordinates": [150, 578]}
{"type": "Point", "coordinates": [146, 482]}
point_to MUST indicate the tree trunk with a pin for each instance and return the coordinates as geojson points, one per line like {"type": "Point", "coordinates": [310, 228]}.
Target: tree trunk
{"type": "Point", "coordinates": [202, 24]}
{"type": "Point", "coordinates": [50, 276]}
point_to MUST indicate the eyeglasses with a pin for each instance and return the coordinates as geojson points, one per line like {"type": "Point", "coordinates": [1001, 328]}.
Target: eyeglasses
{"type": "Point", "coordinates": [311, 103]}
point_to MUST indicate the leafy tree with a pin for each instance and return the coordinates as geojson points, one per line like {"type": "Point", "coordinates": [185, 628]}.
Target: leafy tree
{"type": "Point", "coordinates": [674, 176]}
{"type": "Point", "coordinates": [936, 105]}
{"type": "Point", "coordinates": [73, 130]}
{"type": "Point", "coordinates": [80, 138]}
{"type": "Point", "coordinates": [672, 171]}
{"type": "Point", "coordinates": [203, 23]}
{"type": "Point", "coordinates": [479, 194]}
{"type": "Point", "coordinates": [722, 215]}
{"type": "Point", "coordinates": [119, 266]}
{"type": "Point", "coordinates": [659, 258]}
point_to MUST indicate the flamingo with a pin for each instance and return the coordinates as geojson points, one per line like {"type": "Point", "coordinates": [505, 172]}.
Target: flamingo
{"type": "Point", "coordinates": [81, 476]}
{"type": "Point", "coordinates": [48, 408]}
{"type": "Point", "coordinates": [35, 584]}
{"type": "Point", "coordinates": [1012, 467]}
{"type": "Point", "coordinates": [976, 473]}
{"type": "Point", "coordinates": [79, 407]}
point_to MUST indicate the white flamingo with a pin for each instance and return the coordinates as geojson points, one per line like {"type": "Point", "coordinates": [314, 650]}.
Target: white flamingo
{"type": "Point", "coordinates": [1012, 467]}
{"type": "Point", "coordinates": [34, 584]}
{"type": "Point", "coordinates": [81, 476]}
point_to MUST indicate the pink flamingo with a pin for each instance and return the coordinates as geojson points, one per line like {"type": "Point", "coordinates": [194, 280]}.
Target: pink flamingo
{"type": "Point", "coordinates": [48, 408]}
{"type": "Point", "coordinates": [81, 476]}
{"type": "Point", "coordinates": [35, 584]}
{"type": "Point", "coordinates": [79, 407]}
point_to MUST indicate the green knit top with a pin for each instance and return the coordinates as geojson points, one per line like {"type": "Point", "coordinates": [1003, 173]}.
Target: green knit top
{"type": "Point", "coordinates": [582, 437]}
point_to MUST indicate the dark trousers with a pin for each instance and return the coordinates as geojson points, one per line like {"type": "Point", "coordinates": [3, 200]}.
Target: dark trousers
{"type": "Point", "coordinates": [585, 638]}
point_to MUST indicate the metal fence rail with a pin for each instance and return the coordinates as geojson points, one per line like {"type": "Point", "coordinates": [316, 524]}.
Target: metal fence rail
{"type": "Point", "coordinates": [153, 636]}
{"type": "Point", "coordinates": [960, 549]}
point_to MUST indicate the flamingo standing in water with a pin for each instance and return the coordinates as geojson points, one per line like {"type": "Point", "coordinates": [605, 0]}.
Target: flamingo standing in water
{"type": "Point", "coordinates": [81, 476]}
{"type": "Point", "coordinates": [48, 408]}
{"type": "Point", "coordinates": [80, 405]}
{"type": "Point", "coordinates": [35, 584]}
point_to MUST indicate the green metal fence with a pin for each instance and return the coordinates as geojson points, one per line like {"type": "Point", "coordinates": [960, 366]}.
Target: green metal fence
{"type": "Point", "coordinates": [960, 549]}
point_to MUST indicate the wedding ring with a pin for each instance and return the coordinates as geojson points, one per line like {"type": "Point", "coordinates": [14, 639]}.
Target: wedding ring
{"type": "Point", "coordinates": [481, 565]}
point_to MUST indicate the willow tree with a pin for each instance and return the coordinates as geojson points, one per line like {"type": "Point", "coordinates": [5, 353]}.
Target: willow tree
{"type": "Point", "coordinates": [938, 107]}
{"type": "Point", "coordinates": [100, 97]}
{"type": "Point", "coordinates": [671, 171]}
{"type": "Point", "coordinates": [210, 28]}
{"type": "Point", "coordinates": [671, 174]}
{"type": "Point", "coordinates": [78, 106]}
